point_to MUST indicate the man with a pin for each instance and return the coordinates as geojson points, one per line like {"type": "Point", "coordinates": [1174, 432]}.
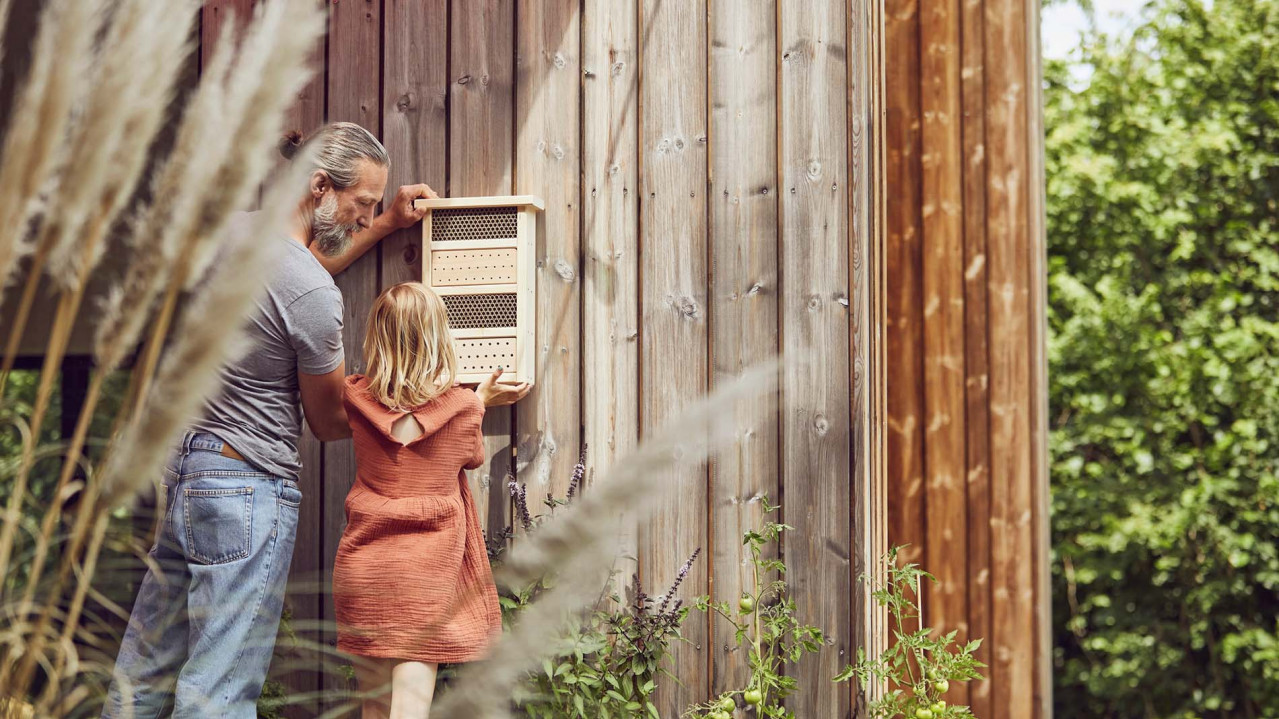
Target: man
{"type": "Point", "coordinates": [203, 627]}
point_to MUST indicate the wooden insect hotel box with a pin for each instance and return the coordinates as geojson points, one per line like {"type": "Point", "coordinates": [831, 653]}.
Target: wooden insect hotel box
{"type": "Point", "coordinates": [478, 254]}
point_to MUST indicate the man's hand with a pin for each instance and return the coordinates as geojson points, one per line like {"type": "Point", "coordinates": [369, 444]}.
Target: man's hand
{"type": "Point", "coordinates": [500, 395]}
{"type": "Point", "coordinates": [401, 211]}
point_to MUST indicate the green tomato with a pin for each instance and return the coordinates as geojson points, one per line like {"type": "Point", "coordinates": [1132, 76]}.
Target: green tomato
{"type": "Point", "coordinates": [938, 707]}
{"type": "Point", "coordinates": [753, 696]}
{"type": "Point", "coordinates": [717, 714]}
{"type": "Point", "coordinates": [923, 713]}
{"type": "Point", "coordinates": [746, 604]}
{"type": "Point", "coordinates": [726, 704]}
{"type": "Point", "coordinates": [942, 686]}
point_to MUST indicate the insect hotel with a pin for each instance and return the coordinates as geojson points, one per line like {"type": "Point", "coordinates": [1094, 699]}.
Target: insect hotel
{"type": "Point", "coordinates": [478, 255]}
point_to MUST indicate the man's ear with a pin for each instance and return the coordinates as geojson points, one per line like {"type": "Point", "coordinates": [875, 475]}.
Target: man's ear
{"type": "Point", "coordinates": [320, 182]}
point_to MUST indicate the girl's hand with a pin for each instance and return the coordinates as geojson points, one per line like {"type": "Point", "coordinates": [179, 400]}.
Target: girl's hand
{"type": "Point", "coordinates": [500, 395]}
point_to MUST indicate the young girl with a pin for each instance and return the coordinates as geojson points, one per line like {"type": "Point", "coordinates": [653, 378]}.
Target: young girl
{"type": "Point", "coordinates": [412, 585]}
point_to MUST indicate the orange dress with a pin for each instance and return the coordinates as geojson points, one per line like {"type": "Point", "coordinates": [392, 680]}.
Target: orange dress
{"type": "Point", "coordinates": [412, 578]}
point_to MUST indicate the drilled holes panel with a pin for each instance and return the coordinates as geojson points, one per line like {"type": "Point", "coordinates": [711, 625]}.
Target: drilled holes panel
{"type": "Point", "coordinates": [482, 356]}
{"type": "Point", "coordinates": [481, 311]}
{"type": "Point", "coordinates": [473, 267]}
{"type": "Point", "coordinates": [476, 223]}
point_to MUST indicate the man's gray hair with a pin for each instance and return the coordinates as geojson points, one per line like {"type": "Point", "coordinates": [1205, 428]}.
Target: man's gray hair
{"type": "Point", "coordinates": [340, 146]}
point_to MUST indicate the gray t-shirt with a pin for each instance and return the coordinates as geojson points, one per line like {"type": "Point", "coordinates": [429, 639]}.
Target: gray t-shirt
{"type": "Point", "coordinates": [297, 327]}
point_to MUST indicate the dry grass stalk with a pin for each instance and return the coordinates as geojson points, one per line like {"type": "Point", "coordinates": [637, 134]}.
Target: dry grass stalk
{"type": "Point", "coordinates": [283, 36]}
{"type": "Point", "coordinates": [59, 74]}
{"type": "Point", "coordinates": [269, 71]}
{"type": "Point", "coordinates": [123, 115]}
{"type": "Point", "coordinates": [181, 182]}
{"type": "Point", "coordinates": [579, 547]}
{"type": "Point", "coordinates": [108, 147]}
{"type": "Point", "coordinates": [190, 371]}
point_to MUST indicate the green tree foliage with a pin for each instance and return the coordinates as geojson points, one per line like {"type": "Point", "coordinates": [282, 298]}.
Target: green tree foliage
{"type": "Point", "coordinates": [1163, 217]}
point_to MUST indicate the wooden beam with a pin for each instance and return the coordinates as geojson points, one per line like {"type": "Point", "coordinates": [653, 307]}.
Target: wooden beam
{"type": "Point", "coordinates": [354, 79]}
{"type": "Point", "coordinates": [815, 307]}
{"type": "Point", "coordinates": [548, 162]}
{"type": "Point", "coordinates": [867, 367]}
{"type": "Point", "coordinates": [946, 603]}
{"type": "Point", "coordinates": [414, 117]}
{"type": "Point", "coordinates": [976, 358]}
{"type": "Point", "coordinates": [1037, 237]}
{"type": "Point", "coordinates": [1007, 227]}
{"type": "Point", "coordinates": [674, 305]}
{"type": "Point", "coordinates": [610, 246]}
{"type": "Point", "coordinates": [904, 307]}
{"type": "Point", "coordinates": [481, 162]}
{"type": "Point", "coordinates": [744, 294]}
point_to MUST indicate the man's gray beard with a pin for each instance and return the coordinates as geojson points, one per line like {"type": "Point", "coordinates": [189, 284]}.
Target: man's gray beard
{"type": "Point", "coordinates": [332, 239]}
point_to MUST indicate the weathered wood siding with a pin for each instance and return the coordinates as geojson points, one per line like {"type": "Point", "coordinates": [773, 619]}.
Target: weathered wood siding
{"type": "Point", "coordinates": [711, 176]}
{"type": "Point", "coordinates": [967, 479]}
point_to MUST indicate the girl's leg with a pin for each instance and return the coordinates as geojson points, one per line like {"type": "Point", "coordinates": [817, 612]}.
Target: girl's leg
{"type": "Point", "coordinates": [413, 688]}
{"type": "Point", "coordinates": [374, 677]}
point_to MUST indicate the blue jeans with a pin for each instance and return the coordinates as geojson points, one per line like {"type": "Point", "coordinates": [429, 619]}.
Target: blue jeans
{"type": "Point", "coordinates": [203, 627]}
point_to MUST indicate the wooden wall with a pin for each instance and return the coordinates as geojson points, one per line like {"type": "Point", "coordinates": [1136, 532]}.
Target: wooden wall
{"type": "Point", "coordinates": [712, 175]}
{"type": "Point", "coordinates": [966, 389]}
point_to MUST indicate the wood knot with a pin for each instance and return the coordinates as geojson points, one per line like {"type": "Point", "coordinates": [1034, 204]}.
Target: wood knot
{"type": "Point", "coordinates": [687, 307]}
{"type": "Point", "coordinates": [406, 102]}
{"type": "Point", "coordinates": [565, 270]}
{"type": "Point", "coordinates": [559, 61]}
{"type": "Point", "coordinates": [820, 424]}
{"type": "Point", "coordinates": [464, 80]}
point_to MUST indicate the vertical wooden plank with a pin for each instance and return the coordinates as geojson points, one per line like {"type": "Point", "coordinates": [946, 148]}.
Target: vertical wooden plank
{"type": "Point", "coordinates": [214, 15]}
{"type": "Point", "coordinates": [743, 202]}
{"type": "Point", "coordinates": [976, 361]}
{"type": "Point", "coordinates": [866, 202]}
{"type": "Point", "coordinates": [354, 81]}
{"type": "Point", "coordinates": [547, 158]}
{"type": "Point", "coordinates": [1038, 337]}
{"type": "Point", "coordinates": [610, 244]}
{"type": "Point", "coordinates": [1010, 389]}
{"type": "Point", "coordinates": [946, 603]}
{"type": "Point", "coordinates": [414, 117]}
{"type": "Point", "coordinates": [673, 285]}
{"type": "Point", "coordinates": [904, 311]}
{"type": "Point", "coordinates": [815, 306]}
{"type": "Point", "coordinates": [308, 597]}
{"type": "Point", "coordinates": [307, 113]}
{"type": "Point", "coordinates": [481, 162]}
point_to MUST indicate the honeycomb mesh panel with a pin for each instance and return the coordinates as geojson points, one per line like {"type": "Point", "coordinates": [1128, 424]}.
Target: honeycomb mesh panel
{"type": "Point", "coordinates": [482, 356]}
{"type": "Point", "coordinates": [481, 311]}
{"type": "Point", "coordinates": [474, 223]}
{"type": "Point", "coordinates": [473, 267]}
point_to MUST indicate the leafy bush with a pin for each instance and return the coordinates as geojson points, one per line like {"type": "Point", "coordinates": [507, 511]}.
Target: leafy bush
{"type": "Point", "coordinates": [917, 668]}
{"type": "Point", "coordinates": [1163, 208]}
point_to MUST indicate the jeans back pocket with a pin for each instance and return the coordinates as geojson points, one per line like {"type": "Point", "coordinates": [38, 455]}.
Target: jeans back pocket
{"type": "Point", "coordinates": [219, 524]}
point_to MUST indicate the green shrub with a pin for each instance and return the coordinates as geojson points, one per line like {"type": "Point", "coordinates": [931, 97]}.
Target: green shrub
{"type": "Point", "coordinates": [1163, 213]}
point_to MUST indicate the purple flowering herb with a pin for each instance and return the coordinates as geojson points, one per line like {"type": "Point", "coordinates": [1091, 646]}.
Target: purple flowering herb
{"type": "Point", "coordinates": [578, 473]}
{"type": "Point", "coordinates": [679, 579]}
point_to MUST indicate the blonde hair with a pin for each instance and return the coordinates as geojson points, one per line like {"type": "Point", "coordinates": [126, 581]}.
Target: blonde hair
{"type": "Point", "coordinates": [408, 349]}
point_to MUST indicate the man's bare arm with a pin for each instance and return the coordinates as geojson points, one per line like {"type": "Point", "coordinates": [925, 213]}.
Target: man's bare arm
{"type": "Point", "coordinates": [322, 404]}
